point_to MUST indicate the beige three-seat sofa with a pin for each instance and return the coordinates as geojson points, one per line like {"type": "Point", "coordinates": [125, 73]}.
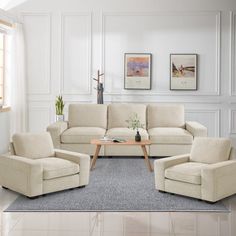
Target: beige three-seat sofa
{"type": "Point", "coordinates": [164, 125]}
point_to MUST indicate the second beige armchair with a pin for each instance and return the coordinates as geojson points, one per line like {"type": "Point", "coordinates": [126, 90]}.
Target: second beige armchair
{"type": "Point", "coordinates": [207, 173]}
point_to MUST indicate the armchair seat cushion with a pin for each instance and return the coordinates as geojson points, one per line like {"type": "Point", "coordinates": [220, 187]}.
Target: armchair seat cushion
{"type": "Point", "coordinates": [189, 172]}
{"type": "Point", "coordinates": [126, 133]}
{"type": "Point", "coordinates": [82, 134]}
{"type": "Point", "coordinates": [54, 167]}
{"type": "Point", "coordinates": [170, 136]}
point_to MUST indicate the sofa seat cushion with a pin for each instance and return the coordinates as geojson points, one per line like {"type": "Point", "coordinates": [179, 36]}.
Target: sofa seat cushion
{"type": "Point", "coordinates": [82, 134]}
{"type": "Point", "coordinates": [189, 172]}
{"type": "Point", "coordinates": [170, 136]}
{"type": "Point", "coordinates": [54, 167]}
{"type": "Point", "coordinates": [126, 133]}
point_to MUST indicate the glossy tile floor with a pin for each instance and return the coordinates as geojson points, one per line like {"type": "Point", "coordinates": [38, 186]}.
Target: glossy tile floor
{"type": "Point", "coordinates": [116, 224]}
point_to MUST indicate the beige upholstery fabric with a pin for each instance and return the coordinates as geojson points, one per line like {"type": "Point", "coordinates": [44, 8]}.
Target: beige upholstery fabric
{"type": "Point", "coordinates": [196, 129]}
{"type": "Point", "coordinates": [33, 145]}
{"type": "Point", "coordinates": [164, 150]}
{"type": "Point", "coordinates": [83, 160]}
{"type": "Point", "coordinates": [189, 172]}
{"type": "Point", "coordinates": [126, 133]}
{"type": "Point", "coordinates": [55, 167]}
{"type": "Point", "coordinates": [21, 174]}
{"type": "Point", "coordinates": [88, 115]}
{"type": "Point", "coordinates": [165, 123]}
{"type": "Point", "coordinates": [170, 136]}
{"type": "Point", "coordinates": [210, 150]}
{"type": "Point", "coordinates": [56, 129]}
{"type": "Point", "coordinates": [159, 115]}
{"type": "Point", "coordinates": [182, 188]}
{"type": "Point", "coordinates": [219, 180]}
{"type": "Point", "coordinates": [210, 182]}
{"type": "Point", "coordinates": [162, 164]}
{"type": "Point", "coordinates": [33, 177]}
{"type": "Point", "coordinates": [119, 113]}
{"type": "Point", "coordinates": [82, 134]}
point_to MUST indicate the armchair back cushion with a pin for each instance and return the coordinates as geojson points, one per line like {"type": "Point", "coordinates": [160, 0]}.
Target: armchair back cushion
{"type": "Point", "coordinates": [33, 146]}
{"type": "Point", "coordinates": [87, 115]}
{"type": "Point", "coordinates": [119, 113]}
{"type": "Point", "coordinates": [159, 115]}
{"type": "Point", "coordinates": [210, 150]}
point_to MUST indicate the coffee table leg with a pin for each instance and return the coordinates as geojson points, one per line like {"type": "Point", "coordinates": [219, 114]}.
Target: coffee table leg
{"type": "Point", "coordinates": [146, 157]}
{"type": "Point", "coordinates": [95, 156]}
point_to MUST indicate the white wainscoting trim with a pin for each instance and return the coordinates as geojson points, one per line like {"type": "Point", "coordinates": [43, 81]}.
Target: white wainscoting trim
{"type": "Point", "coordinates": [232, 58]}
{"type": "Point", "coordinates": [215, 112]}
{"type": "Point", "coordinates": [48, 72]}
{"type": "Point", "coordinates": [89, 51]}
{"type": "Point", "coordinates": [44, 108]}
{"type": "Point", "coordinates": [232, 125]}
{"type": "Point", "coordinates": [217, 15]}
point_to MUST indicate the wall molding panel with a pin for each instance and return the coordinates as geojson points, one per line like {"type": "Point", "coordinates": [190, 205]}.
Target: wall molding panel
{"type": "Point", "coordinates": [232, 54]}
{"type": "Point", "coordinates": [208, 117]}
{"type": "Point", "coordinates": [38, 42]}
{"type": "Point", "coordinates": [76, 53]}
{"type": "Point", "coordinates": [107, 17]}
{"type": "Point", "coordinates": [39, 117]}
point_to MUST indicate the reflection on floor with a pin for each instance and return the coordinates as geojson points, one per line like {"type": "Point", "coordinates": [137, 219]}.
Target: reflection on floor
{"type": "Point", "coordinates": [116, 224]}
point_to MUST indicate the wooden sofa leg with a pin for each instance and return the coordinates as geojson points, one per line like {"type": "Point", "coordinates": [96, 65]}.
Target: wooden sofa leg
{"type": "Point", "coordinates": [209, 202]}
{"type": "Point", "coordinates": [161, 191]}
{"type": "Point", "coordinates": [32, 198]}
{"type": "Point", "coordinates": [83, 186]}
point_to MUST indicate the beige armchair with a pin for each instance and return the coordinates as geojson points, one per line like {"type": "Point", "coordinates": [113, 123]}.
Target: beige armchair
{"type": "Point", "coordinates": [34, 168]}
{"type": "Point", "coordinates": [207, 173]}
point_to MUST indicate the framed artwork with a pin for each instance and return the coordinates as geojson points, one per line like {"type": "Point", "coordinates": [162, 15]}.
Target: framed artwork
{"type": "Point", "coordinates": [137, 71]}
{"type": "Point", "coordinates": [183, 71]}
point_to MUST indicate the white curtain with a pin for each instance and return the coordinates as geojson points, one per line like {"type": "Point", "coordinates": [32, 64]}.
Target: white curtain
{"type": "Point", "coordinates": [17, 81]}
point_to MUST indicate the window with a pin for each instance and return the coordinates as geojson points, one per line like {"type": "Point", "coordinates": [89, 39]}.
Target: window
{"type": "Point", "coordinates": [2, 68]}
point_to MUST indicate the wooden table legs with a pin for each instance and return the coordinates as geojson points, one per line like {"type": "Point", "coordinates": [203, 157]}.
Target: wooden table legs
{"type": "Point", "coordinates": [95, 156]}
{"type": "Point", "coordinates": [98, 147]}
{"type": "Point", "coordinates": [146, 157]}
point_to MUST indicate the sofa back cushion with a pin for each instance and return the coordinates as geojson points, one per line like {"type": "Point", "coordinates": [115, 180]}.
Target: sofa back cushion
{"type": "Point", "coordinates": [210, 150]}
{"type": "Point", "coordinates": [165, 115]}
{"type": "Point", "coordinates": [119, 113]}
{"type": "Point", "coordinates": [33, 146]}
{"type": "Point", "coordinates": [87, 115]}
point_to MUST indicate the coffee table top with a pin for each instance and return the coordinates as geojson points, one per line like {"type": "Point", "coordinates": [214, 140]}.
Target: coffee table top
{"type": "Point", "coordinates": [128, 142]}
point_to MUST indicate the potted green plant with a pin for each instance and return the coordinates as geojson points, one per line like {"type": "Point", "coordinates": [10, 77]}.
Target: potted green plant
{"type": "Point", "coordinates": [59, 104]}
{"type": "Point", "coordinates": [134, 124]}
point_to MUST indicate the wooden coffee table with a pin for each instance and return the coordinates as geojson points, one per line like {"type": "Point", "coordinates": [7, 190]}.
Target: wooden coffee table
{"type": "Point", "coordinates": [142, 144]}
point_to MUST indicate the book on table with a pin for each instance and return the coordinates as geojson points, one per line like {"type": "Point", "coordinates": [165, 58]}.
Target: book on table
{"type": "Point", "coordinates": [113, 139]}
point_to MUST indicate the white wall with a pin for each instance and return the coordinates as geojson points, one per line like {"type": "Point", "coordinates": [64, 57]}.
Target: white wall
{"type": "Point", "coordinates": [67, 41]}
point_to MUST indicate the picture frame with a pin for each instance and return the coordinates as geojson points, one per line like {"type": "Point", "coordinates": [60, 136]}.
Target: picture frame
{"type": "Point", "coordinates": [137, 71]}
{"type": "Point", "coordinates": [183, 71]}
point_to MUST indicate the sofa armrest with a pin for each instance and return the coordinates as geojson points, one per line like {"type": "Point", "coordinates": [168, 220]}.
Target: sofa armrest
{"type": "Point", "coordinates": [21, 174]}
{"type": "Point", "coordinates": [162, 164]}
{"type": "Point", "coordinates": [218, 180]}
{"type": "Point", "coordinates": [196, 129]}
{"type": "Point", "coordinates": [83, 160]}
{"type": "Point", "coordinates": [56, 129]}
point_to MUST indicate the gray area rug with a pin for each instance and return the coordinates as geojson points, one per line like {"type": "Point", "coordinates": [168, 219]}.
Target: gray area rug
{"type": "Point", "coordinates": [117, 184]}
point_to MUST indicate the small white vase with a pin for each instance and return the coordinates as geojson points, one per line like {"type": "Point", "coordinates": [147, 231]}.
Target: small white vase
{"type": "Point", "coordinates": [59, 117]}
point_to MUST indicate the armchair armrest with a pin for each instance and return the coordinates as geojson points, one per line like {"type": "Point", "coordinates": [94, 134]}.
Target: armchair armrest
{"type": "Point", "coordinates": [196, 129]}
{"type": "Point", "coordinates": [161, 165]}
{"type": "Point", "coordinates": [21, 174]}
{"type": "Point", "coordinates": [218, 180]}
{"type": "Point", "coordinates": [56, 129]}
{"type": "Point", "coordinates": [83, 160]}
